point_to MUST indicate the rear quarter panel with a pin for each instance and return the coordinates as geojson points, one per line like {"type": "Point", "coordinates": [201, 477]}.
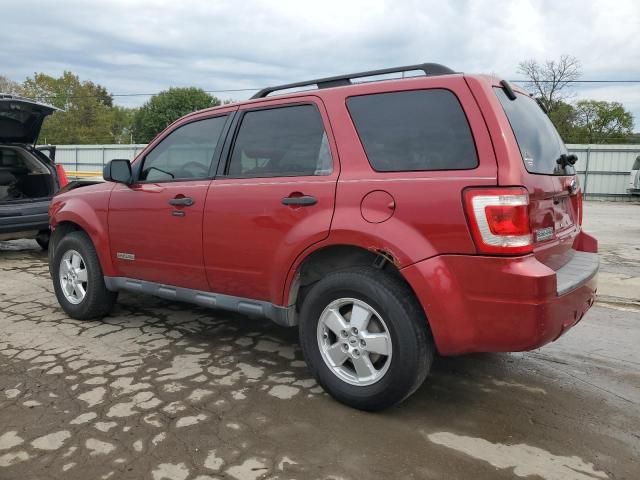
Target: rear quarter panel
{"type": "Point", "coordinates": [428, 218]}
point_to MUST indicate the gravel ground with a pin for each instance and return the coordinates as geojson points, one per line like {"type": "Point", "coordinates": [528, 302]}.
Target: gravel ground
{"type": "Point", "coordinates": [163, 390]}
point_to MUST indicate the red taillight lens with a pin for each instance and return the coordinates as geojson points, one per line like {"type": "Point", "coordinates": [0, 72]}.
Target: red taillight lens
{"type": "Point", "coordinates": [62, 175]}
{"type": "Point", "coordinates": [499, 220]}
{"type": "Point", "coordinates": [508, 220]}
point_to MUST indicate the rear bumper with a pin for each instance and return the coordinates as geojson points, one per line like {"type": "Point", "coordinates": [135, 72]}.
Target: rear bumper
{"type": "Point", "coordinates": [498, 304]}
{"type": "Point", "coordinates": [22, 217]}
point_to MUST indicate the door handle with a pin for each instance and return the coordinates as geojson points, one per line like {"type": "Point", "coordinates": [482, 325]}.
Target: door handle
{"type": "Point", "coordinates": [181, 201]}
{"type": "Point", "coordinates": [303, 201]}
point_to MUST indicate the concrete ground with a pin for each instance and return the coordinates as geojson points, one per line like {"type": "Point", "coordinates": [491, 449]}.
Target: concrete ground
{"type": "Point", "coordinates": [163, 390]}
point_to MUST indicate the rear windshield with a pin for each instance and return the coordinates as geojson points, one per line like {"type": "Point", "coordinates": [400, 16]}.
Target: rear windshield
{"type": "Point", "coordinates": [539, 142]}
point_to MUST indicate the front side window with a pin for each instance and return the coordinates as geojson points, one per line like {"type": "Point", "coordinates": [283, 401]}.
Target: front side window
{"type": "Point", "coordinates": [186, 153]}
{"type": "Point", "coordinates": [281, 142]}
{"type": "Point", "coordinates": [415, 130]}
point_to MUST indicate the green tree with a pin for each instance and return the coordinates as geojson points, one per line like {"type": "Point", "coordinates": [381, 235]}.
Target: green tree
{"type": "Point", "coordinates": [87, 114]}
{"type": "Point", "coordinates": [166, 107]}
{"type": "Point", "coordinates": [563, 117]}
{"type": "Point", "coordinates": [122, 124]}
{"type": "Point", "coordinates": [602, 122]}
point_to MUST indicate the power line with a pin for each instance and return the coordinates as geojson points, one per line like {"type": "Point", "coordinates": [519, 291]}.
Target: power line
{"type": "Point", "coordinates": [575, 81]}
{"type": "Point", "coordinates": [236, 90]}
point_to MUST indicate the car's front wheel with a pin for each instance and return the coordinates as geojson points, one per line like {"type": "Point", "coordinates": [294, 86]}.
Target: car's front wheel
{"type": "Point", "coordinates": [365, 338]}
{"type": "Point", "coordinates": [78, 280]}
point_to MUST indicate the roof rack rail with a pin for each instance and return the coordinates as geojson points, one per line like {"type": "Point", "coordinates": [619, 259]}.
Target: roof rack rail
{"type": "Point", "coordinates": [429, 69]}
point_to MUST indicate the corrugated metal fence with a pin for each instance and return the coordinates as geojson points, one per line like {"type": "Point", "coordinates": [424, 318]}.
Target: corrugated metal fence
{"type": "Point", "coordinates": [603, 169]}
{"type": "Point", "coordinates": [91, 158]}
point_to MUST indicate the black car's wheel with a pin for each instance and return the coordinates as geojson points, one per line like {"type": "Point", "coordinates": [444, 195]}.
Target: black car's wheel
{"type": "Point", "coordinates": [43, 239]}
{"type": "Point", "coordinates": [78, 280]}
{"type": "Point", "coordinates": [365, 338]}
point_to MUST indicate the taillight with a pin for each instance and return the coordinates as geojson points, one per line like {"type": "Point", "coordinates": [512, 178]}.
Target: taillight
{"type": "Point", "coordinates": [62, 176]}
{"type": "Point", "coordinates": [499, 220]}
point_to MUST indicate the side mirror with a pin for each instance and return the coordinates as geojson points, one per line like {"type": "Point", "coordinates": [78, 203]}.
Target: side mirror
{"type": "Point", "coordinates": [119, 171]}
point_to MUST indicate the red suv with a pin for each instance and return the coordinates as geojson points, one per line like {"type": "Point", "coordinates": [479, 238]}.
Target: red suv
{"type": "Point", "coordinates": [388, 220]}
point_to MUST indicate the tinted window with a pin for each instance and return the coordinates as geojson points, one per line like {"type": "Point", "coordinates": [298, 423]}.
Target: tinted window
{"type": "Point", "coordinates": [186, 153]}
{"type": "Point", "coordinates": [636, 164]}
{"type": "Point", "coordinates": [539, 142]}
{"type": "Point", "coordinates": [287, 141]}
{"type": "Point", "coordinates": [414, 130]}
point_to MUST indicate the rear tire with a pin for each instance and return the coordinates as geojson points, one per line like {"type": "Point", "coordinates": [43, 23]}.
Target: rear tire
{"type": "Point", "coordinates": [379, 364]}
{"type": "Point", "coordinates": [77, 278]}
{"type": "Point", "coordinates": [43, 240]}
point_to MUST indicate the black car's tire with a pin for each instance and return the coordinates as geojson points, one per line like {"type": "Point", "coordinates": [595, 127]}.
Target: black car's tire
{"type": "Point", "coordinates": [382, 296]}
{"type": "Point", "coordinates": [43, 240]}
{"type": "Point", "coordinates": [97, 301]}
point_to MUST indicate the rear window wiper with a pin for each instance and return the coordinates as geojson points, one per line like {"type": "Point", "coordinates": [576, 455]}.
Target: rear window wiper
{"type": "Point", "coordinates": [511, 95]}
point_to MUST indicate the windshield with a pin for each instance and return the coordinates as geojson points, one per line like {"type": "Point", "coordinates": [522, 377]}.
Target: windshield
{"type": "Point", "coordinates": [539, 142]}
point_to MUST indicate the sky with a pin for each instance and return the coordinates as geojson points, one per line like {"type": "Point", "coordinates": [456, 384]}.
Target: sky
{"type": "Point", "coordinates": [143, 46]}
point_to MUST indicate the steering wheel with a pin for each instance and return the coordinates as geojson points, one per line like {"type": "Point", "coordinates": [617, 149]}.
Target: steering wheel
{"type": "Point", "coordinates": [194, 169]}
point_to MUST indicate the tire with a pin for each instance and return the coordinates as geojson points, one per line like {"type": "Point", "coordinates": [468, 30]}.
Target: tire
{"type": "Point", "coordinates": [43, 240]}
{"type": "Point", "coordinates": [395, 317]}
{"type": "Point", "coordinates": [97, 301]}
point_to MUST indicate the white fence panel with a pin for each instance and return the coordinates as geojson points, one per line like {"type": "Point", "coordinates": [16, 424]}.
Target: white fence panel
{"type": "Point", "coordinates": [91, 158]}
{"type": "Point", "coordinates": [603, 169]}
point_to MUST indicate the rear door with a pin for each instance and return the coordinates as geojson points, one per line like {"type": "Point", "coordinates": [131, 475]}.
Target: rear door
{"type": "Point", "coordinates": [21, 119]}
{"type": "Point", "coordinates": [272, 198]}
{"type": "Point", "coordinates": [554, 192]}
{"type": "Point", "coordinates": [155, 224]}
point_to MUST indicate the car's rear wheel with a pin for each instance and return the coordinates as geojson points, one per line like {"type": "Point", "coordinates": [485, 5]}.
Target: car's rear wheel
{"type": "Point", "coordinates": [365, 338]}
{"type": "Point", "coordinates": [78, 280]}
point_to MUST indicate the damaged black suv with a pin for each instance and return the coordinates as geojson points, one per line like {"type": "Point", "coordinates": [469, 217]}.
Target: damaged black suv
{"type": "Point", "coordinates": [28, 175]}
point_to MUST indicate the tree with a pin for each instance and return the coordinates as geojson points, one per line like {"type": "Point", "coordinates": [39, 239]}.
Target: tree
{"type": "Point", "coordinates": [550, 79]}
{"type": "Point", "coordinates": [87, 109]}
{"type": "Point", "coordinates": [563, 116]}
{"type": "Point", "coordinates": [166, 107]}
{"type": "Point", "coordinates": [602, 122]}
{"type": "Point", "coordinates": [122, 124]}
{"type": "Point", "coordinates": [9, 86]}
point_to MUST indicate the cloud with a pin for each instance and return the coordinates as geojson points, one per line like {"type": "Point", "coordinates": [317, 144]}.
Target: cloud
{"type": "Point", "coordinates": [146, 46]}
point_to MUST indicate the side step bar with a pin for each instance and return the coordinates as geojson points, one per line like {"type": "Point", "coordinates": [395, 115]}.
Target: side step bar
{"type": "Point", "coordinates": [284, 316]}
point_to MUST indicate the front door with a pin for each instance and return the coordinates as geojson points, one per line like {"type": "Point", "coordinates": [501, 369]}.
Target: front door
{"type": "Point", "coordinates": [273, 198]}
{"type": "Point", "coordinates": [155, 224]}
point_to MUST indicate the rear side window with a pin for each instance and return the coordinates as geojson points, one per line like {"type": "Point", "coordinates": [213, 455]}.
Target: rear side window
{"type": "Point", "coordinates": [414, 130]}
{"type": "Point", "coordinates": [281, 142]}
{"type": "Point", "coordinates": [539, 142]}
{"type": "Point", "coordinates": [186, 153]}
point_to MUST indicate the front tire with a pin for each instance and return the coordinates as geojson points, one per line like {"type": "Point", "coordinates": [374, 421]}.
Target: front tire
{"type": "Point", "coordinates": [77, 278]}
{"type": "Point", "coordinates": [365, 338]}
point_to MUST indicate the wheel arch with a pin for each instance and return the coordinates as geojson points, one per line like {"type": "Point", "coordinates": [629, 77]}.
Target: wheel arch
{"type": "Point", "coordinates": [66, 221]}
{"type": "Point", "coordinates": [314, 264]}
